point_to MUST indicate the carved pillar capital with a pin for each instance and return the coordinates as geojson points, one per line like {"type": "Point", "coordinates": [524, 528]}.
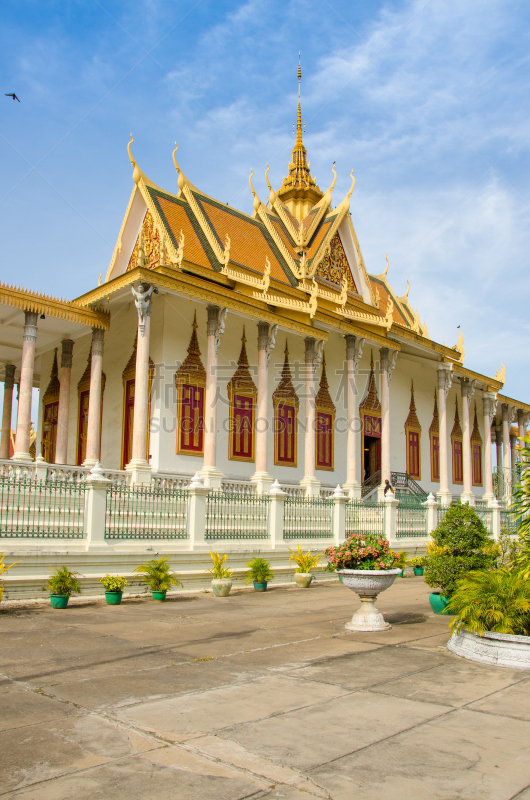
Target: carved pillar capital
{"type": "Point", "coordinates": [9, 379]}
{"type": "Point", "coordinates": [97, 341]}
{"type": "Point", "coordinates": [142, 301]}
{"type": "Point", "coordinates": [263, 335]}
{"type": "Point", "coordinates": [388, 361]}
{"type": "Point", "coordinates": [67, 349]}
{"type": "Point", "coordinates": [30, 326]}
{"type": "Point", "coordinates": [445, 378]}
{"type": "Point", "coordinates": [354, 349]}
{"type": "Point", "coordinates": [489, 403]}
{"type": "Point", "coordinates": [467, 387]}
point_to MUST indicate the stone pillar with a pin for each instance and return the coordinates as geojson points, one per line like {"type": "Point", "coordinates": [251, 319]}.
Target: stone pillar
{"type": "Point", "coordinates": [388, 362]}
{"type": "Point", "coordinates": [266, 340]}
{"type": "Point", "coordinates": [354, 348]}
{"type": "Point", "coordinates": [198, 495]}
{"type": "Point", "coordinates": [498, 448]}
{"type": "Point", "coordinates": [63, 413]}
{"type": "Point", "coordinates": [513, 451]}
{"type": "Point", "coordinates": [432, 513]}
{"type": "Point", "coordinates": [522, 421]}
{"type": "Point", "coordinates": [506, 456]}
{"type": "Point", "coordinates": [94, 400]}
{"type": "Point", "coordinates": [9, 382]}
{"type": "Point", "coordinates": [309, 481]}
{"type": "Point", "coordinates": [26, 388]}
{"type": "Point", "coordinates": [96, 488]}
{"type": "Point", "coordinates": [211, 476]}
{"type": "Point", "coordinates": [496, 519]}
{"type": "Point", "coordinates": [445, 379]}
{"type": "Point", "coordinates": [339, 515]}
{"type": "Point", "coordinates": [467, 388]}
{"type": "Point", "coordinates": [489, 402]}
{"type": "Point", "coordinates": [391, 506]}
{"type": "Point", "coordinates": [276, 515]}
{"type": "Point", "coordinates": [138, 467]}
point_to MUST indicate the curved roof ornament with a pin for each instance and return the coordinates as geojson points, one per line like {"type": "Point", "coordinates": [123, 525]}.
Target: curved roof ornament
{"type": "Point", "coordinates": [257, 201]}
{"type": "Point", "coordinates": [345, 205]}
{"type": "Point", "coordinates": [352, 185]}
{"type": "Point", "coordinates": [334, 178]}
{"type": "Point", "coordinates": [387, 266]}
{"type": "Point", "coordinates": [137, 172]}
{"type": "Point", "coordinates": [272, 193]}
{"type": "Point", "coordinates": [181, 178]}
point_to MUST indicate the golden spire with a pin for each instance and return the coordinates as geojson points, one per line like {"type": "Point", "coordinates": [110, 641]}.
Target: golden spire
{"type": "Point", "coordinates": [299, 143]}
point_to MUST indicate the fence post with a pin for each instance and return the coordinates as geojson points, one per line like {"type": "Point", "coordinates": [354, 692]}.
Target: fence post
{"type": "Point", "coordinates": [41, 469]}
{"type": "Point", "coordinates": [391, 505]}
{"type": "Point", "coordinates": [496, 519]}
{"type": "Point", "coordinates": [276, 514]}
{"type": "Point", "coordinates": [197, 493]}
{"type": "Point", "coordinates": [432, 513]}
{"type": "Point", "coordinates": [339, 515]}
{"type": "Point", "coordinates": [96, 486]}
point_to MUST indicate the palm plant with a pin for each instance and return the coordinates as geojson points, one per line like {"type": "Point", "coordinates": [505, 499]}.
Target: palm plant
{"type": "Point", "coordinates": [305, 562]}
{"type": "Point", "coordinates": [259, 571]}
{"type": "Point", "coordinates": [156, 574]}
{"type": "Point", "coordinates": [64, 582]}
{"type": "Point", "coordinates": [219, 570]}
{"type": "Point", "coordinates": [4, 568]}
{"type": "Point", "coordinates": [520, 509]}
{"type": "Point", "coordinates": [492, 600]}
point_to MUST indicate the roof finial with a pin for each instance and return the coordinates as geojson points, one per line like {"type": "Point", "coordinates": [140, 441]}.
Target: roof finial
{"type": "Point", "coordinates": [137, 174]}
{"type": "Point", "coordinates": [299, 117]}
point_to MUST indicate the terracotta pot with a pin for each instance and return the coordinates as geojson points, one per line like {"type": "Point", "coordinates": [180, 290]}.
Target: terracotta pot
{"type": "Point", "coordinates": [303, 579]}
{"type": "Point", "coordinates": [368, 583]}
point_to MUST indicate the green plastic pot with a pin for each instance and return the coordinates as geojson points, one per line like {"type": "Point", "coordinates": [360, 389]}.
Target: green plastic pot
{"type": "Point", "coordinates": [438, 602]}
{"type": "Point", "coordinates": [260, 586]}
{"type": "Point", "coordinates": [59, 600]}
{"type": "Point", "coordinates": [113, 598]}
{"type": "Point", "coordinates": [418, 570]}
{"type": "Point", "coordinates": [401, 574]}
{"type": "Point", "coordinates": [340, 578]}
{"type": "Point", "coordinates": [159, 596]}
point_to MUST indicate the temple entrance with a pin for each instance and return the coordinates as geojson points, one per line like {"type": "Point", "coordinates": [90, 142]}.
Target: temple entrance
{"type": "Point", "coordinates": [372, 456]}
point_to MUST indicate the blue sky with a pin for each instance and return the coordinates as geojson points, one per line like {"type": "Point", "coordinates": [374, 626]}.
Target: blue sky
{"type": "Point", "coordinates": [427, 101]}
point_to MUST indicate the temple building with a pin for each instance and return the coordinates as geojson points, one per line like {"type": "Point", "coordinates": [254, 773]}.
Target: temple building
{"type": "Point", "coordinates": [250, 348]}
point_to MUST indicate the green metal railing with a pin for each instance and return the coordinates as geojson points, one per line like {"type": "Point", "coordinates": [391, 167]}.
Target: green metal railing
{"type": "Point", "coordinates": [486, 515]}
{"type": "Point", "coordinates": [146, 512]}
{"type": "Point", "coordinates": [307, 518]}
{"type": "Point", "coordinates": [234, 515]}
{"type": "Point", "coordinates": [41, 509]}
{"type": "Point", "coordinates": [364, 517]}
{"type": "Point", "coordinates": [411, 519]}
{"type": "Point", "coordinates": [505, 479]}
{"type": "Point", "coordinates": [509, 523]}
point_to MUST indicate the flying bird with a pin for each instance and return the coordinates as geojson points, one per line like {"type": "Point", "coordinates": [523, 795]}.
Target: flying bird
{"type": "Point", "coordinates": [13, 95]}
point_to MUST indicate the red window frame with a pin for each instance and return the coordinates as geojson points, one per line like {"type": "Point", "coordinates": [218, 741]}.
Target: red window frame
{"type": "Point", "coordinates": [458, 461]}
{"type": "Point", "coordinates": [49, 438]}
{"type": "Point", "coordinates": [285, 435]}
{"type": "Point", "coordinates": [191, 420]}
{"type": "Point", "coordinates": [324, 437]}
{"type": "Point", "coordinates": [435, 457]}
{"type": "Point", "coordinates": [413, 454]}
{"type": "Point", "coordinates": [476, 455]}
{"type": "Point", "coordinates": [242, 428]}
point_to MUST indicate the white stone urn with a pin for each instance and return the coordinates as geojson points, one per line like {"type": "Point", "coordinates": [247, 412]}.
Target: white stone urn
{"type": "Point", "coordinates": [368, 583]}
{"type": "Point", "coordinates": [497, 649]}
{"type": "Point", "coordinates": [221, 587]}
{"type": "Point", "coordinates": [303, 579]}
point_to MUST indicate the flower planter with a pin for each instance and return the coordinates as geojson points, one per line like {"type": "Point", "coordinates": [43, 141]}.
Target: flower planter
{"type": "Point", "coordinates": [221, 587]}
{"type": "Point", "coordinates": [113, 598]}
{"type": "Point", "coordinates": [368, 583]}
{"type": "Point", "coordinates": [59, 600]}
{"type": "Point", "coordinates": [418, 570]}
{"type": "Point", "coordinates": [159, 596]}
{"type": "Point", "coordinates": [260, 586]}
{"type": "Point", "coordinates": [497, 649]}
{"type": "Point", "coordinates": [438, 603]}
{"type": "Point", "coordinates": [303, 579]}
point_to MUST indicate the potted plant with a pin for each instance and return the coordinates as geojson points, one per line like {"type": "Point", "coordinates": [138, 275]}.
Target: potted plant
{"type": "Point", "coordinates": [400, 562]}
{"type": "Point", "coordinates": [4, 568]}
{"type": "Point", "coordinates": [305, 562]}
{"type": "Point", "coordinates": [366, 565]}
{"type": "Point", "coordinates": [460, 544]}
{"type": "Point", "coordinates": [114, 586]}
{"type": "Point", "coordinates": [417, 564]}
{"type": "Point", "coordinates": [221, 582]}
{"type": "Point", "coordinates": [259, 573]}
{"type": "Point", "coordinates": [61, 585]}
{"type": "Point", "coordinates": [157, 576]}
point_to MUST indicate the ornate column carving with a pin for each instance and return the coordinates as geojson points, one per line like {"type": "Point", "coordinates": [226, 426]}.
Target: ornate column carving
{"type": "Point", "coordinates": [9, 382]}
{"type": "Point", "coordinates": [25, 388]}
{"type": "Point", "coordinates": [354, 350]}
{"type": "Point", "coordinates": [266, 342]}
{"type": "Point", "coordinates": [313, 355]}
{"type": "Point", "coordinates": [215, 327]}
{"type": "Point", "coordinates": [489, 403]}
{"type": "Point", "coordinates": [388, 362]}
{"type": "Point", "coordinates": [138, 467]}
{"type": "Point", "coordinates": [94, 400]}
{"type": "Point", "coordinates": [63, 412]}
{"type": "Point", "coordinates": [445, 380]}
{"type": "Point", "coordinates": [467, 388]}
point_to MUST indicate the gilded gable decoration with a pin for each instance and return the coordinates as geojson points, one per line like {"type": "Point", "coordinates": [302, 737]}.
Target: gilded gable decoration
{"type": "Point", "coordinates": [192, 371]}
{"type": "Point", "coordinates": [435, 424]}
{"type": "Point", "coordinates": [146, 251]}
{"type": "Point", "coordinates": [371, 401]}
{"type": "Point", "coordinates": [241, 381]}
{"type": "Point", "coordinates": [456, 433]}
{"type": "Point", "coordinates": [412, 420]}
{"type": "Point", "coordinates": [476, 438]}
{"type": "Point", "coordinates": [334, 267]}
{"type": "Point", "coordinates": [323, 399]}
{"type": "Point", "coordinates": [285, 389]}
{"type": "Point", "coordinates": [51, 395]}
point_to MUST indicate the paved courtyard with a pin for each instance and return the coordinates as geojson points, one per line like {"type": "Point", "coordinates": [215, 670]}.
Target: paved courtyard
{"type": "Point", "coordinates": [254, 696]}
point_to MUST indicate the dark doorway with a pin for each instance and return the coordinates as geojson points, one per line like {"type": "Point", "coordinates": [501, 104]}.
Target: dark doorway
{"type": "Point", "coordinates": [372, 455]}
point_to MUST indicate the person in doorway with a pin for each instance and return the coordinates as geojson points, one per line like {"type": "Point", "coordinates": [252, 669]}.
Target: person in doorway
{"type": "Point", "coordinates": [388, 486]}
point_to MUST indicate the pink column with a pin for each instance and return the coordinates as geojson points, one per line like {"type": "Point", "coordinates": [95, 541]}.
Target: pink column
{"type": "Point", "coordinates": [309, 481]}
{"type": "Point", "coordinates": [489, 403]}
{"type": "Point", "coordinates": [211, 476]}
{"type": "Point", "coordinates": [94, 400]}
{"type": "Point", "coordinates": [63, 413]}
{"type": "Point", "coordinates": [506, 455]}
{"type": "Point", "coordinates": [467, 388]}
{"type": "Point", "coordinates": [9, 382]}
{"type": "Point", "coordinates": [522, 420]}
{"type": "Point", "coordinates": [25, 388]}
{"type": "Point", "coordinates": [354, 346]}
{"type": "Point", "coordinates": [445, 380]}
{"type": "Point", "coordinates": [261, 477]}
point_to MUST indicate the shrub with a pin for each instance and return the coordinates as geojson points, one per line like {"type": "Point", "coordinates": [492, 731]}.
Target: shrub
{"type": "Point", "coordinates": [4, 568]}
{"type": "Point", "coordinates": [418, 561]}
{"type": "Point", "coordinates": [113, 583]}
{"type": "Point", "coordinates": [63, 581]}
{"type": "Point", "coordinates": [492, 600]}
{"type": "Point", "coordinates": [460, 544]}
{"type": "Point", "coordinates": [219, 570]}
{"type": "Point", "coordinates": [362, 551]}
{"type": "Point", "coordinates": [400, 560]}
{"type": "Point", "coordinates": [259, 571]}
{"type": "Point", "coordinates": [157, 576]}
{"type": "Point", "coordinates": [521, 510]}
{"type": "Point", "coordinates": [305, 562]}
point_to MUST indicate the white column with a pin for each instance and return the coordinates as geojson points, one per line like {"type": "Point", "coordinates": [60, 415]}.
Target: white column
{"type": "Point", "coordinates": [138, 467]}
{"type": "Point", "coordinates": [506, 456]}
{"type": "Point", "coordinates": [309, 481]}
{"type": "Point", "coordinates": [354, 348]}
{"type": "Point", "coordinates": [276, 515]}
{"type": "Point", "coordinates": [390, 523]}
{"type": "Point", "coordinates": [266, 340]}
{"type": "Point", "coordinates": [339, 515]}
{"type": "Point", "coordinates": [513, 452]}
{"type": "Point", "coordinates": [445, 379]}
{"type": "Point", "coordinates": [212, 476]}
{"type": "Point", "coordinates": [96, 487]}
{"type": "Point", "coordinates": [94, 400]}
{"type": "Point", "coordinates": [432, 513]}
{"type": "Point", "coordinates": [467, 388]}
{"type": "Point", "coordinates": [26, 388]}
{"type": "Point", "coordinates": [522, 421]}
{"type": "Point", "coordinates": [489, 402]}
{"type": "Point", "coordinates": [198, 495]}
{"type": "Point", "coordinates": [9, 382]}
{"type": "Point", "coordinates": [63, 412]}
{"type": "Point", "coordinates": [498, 448]}
{"type": "Point", "coordinates": [388, 362]}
